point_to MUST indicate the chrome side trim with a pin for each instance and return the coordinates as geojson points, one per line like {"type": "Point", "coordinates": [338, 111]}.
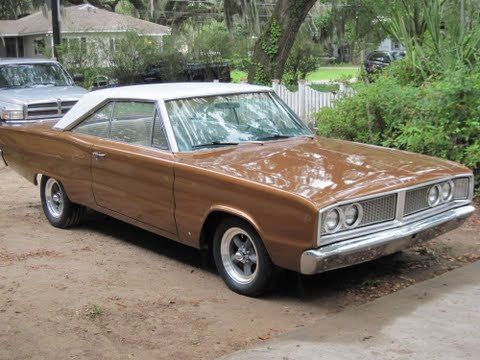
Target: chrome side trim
{"type": "Point", "coordinates": [373, 246]}
{"type": "Point", "coordinates": [32, 121]}
{"type": "Point", "coordinates": [2, 158]}
{"type": "Point", "coordinates": [399, 220]}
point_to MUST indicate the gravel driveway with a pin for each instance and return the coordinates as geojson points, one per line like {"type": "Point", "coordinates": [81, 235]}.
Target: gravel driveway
{"type": "Point", "coordinates": [108, 290]}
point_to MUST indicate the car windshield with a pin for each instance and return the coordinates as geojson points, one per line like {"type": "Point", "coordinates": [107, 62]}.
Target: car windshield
{"type": "Point", "coordinates": [214, 121]}
{"type": "Point", "coordinates": [32, 75]}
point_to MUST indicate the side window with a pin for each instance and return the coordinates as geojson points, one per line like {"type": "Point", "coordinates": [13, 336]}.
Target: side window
{"type": "Point", "coordinates": [132, 122]}
{"type": "Point", "coordinates": [159, 135]}
{"type": "Point", "coordinates": [96, 124]}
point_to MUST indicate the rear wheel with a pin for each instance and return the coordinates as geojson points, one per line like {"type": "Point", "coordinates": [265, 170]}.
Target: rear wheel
{"type": "Point", "coordinates": [241, 257]}
{"type": "Point", "coordinates": [58, 208]}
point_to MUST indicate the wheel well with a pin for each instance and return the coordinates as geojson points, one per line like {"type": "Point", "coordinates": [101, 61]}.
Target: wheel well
{"type": "Point", "coordinates": [211, 223]}
{"type": "Point", "coordinates": [37, 178]}
{"type": "Point", "coordinates": [209, 226]}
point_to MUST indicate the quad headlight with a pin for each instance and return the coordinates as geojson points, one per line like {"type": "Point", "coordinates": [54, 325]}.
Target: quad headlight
{"type": "Point", "coordinates": [332, 220]}
{"type": "Point", "coordinates": [440, 193]}
{"type": "Point", "coordinates": [446, 190]}
{"type": "Point", "coordinates": [433, 196]}
{"type": "Point", "coordinates": [342, 217]}
{"type": "Point", "coordinates": [352, 215]}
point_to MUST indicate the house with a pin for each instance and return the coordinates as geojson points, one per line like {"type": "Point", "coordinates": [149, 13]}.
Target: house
{"type": "Point", "coordinates": [389, 44]}
{"type": "Point", "coordinates": [31, 36]}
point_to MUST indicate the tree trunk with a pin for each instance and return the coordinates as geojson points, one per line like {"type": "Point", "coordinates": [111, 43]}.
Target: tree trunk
{"type": "Point", "coordinates": [274, 44]}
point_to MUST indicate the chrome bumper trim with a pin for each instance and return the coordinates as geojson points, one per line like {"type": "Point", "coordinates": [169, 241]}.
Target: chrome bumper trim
{"type": "Point", "coordinates": [376, 245]}
{"type": "Point", "coordinates": [2, 158]}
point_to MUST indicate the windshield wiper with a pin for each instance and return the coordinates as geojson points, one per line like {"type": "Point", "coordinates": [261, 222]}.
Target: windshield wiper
{"type": "Point", "coordinates": [214, 143]}
{"type": "Point", "coordinates": [274, 137]}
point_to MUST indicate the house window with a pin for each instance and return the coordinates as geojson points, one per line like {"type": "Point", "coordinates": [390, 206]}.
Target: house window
{"type": "Point", "coordinates": [113, 44]}
{"type": "Point", "coordinates": [39, 46]}
{"type": "Point", "coordinates": [11, 47]}
{"type": "Point", "coordinates": [77, 43]}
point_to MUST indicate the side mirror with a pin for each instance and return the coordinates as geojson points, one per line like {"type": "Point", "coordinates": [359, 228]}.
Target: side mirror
{"type": "Point", "coordinates": [78, 78]}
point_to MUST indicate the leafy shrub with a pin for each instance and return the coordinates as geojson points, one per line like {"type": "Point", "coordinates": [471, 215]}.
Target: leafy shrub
{"type": "Point", "coordinates": [440, 118]}
{"type": "Point", "coordinates": [78, 60]}
{"type": "Point", "coordinates": [133, 54]}
{"type": "Point", "coordinates": [303, 58]}
{"type": "Point", "coordinates": [208, 43]}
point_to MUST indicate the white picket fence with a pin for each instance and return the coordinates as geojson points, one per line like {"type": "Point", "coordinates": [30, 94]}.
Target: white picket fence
{"type": "Point", "coordinates": [307, 101]}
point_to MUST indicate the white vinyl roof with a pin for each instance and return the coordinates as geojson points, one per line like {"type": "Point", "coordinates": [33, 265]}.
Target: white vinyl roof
{"type": "Point", "coordinates": [154, 92]}
{"type": "Point", "coordinates": [14, 61]}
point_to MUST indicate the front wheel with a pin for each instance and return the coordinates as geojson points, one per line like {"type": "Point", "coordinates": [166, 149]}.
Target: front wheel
{"type": "Point", "coordinates": [241, 258]}
{"type": "Point", "coordinates": [58, 208]}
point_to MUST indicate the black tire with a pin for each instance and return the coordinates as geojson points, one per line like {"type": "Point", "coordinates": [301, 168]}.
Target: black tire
{"type": "Point", "coordinates": [263, 270]}
{"type": "Point", "coordinates": [70, 214]}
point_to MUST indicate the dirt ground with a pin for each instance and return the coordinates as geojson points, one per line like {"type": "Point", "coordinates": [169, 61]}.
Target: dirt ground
{"type": "Point", "coordinates": [108, 290]}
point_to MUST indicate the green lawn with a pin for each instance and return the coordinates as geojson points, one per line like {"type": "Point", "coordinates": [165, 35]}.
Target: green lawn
{"type": "Point", "coordinates": [326, 73]}
{"type": "Point", "coordinates": [333, 73]}
{"type": "Point", "coordinates": [238, 76]}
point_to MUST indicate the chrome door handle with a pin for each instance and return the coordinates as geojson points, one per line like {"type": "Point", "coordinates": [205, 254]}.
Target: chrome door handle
{"type": "Point", "coordinates": [98, 155]}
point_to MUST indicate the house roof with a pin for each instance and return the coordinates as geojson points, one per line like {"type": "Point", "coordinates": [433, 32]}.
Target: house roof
{"type": "Point", "coordinates": [152, 92]}
{"type": "Point", "coordinates": [78, 19]}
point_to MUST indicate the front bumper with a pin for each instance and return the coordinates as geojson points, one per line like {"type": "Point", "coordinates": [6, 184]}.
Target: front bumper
{"type": "Point", "coordinates": [376, 245]}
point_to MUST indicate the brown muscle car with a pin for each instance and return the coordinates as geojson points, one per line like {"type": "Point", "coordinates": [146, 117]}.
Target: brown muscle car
{"type": "Point", "coordinates": [232, 169]}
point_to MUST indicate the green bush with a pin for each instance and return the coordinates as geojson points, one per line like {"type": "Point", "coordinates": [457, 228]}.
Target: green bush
{"type": "Point", "coordinates": [208, 43]}
{"type": "Point", "coordinates": [133, 54]}
{"type": "Point", "coordinates": [303, 59]}
{"type": "Point", "coordinates": [440, 118]}
{"type": "Point", "coordinates": [80, 61]}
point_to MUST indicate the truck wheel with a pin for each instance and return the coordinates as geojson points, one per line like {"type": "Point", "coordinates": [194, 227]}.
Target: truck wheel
{"type": "Point", "coordinates": [58, 209]}
{"type": "Point", "coordinates": [241, 258]}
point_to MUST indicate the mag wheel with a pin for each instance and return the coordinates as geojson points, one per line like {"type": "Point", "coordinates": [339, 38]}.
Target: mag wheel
{"type": "Point", "coordinates": [241, 257]}
{"type": "Point", "coordinates": [58, 208]}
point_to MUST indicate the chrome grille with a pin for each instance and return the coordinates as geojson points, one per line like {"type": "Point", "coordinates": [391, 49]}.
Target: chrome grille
{"type": "Point", "coordinates": [378, 210]}
{"type": "Point", "coordinates": [416, 200]}
{"type": "Point", "coordinates": [385, 211]}
{"type": "Point", "coordinates": [462, 189]}
{"type": "Point", "coordinates": [48, 109]}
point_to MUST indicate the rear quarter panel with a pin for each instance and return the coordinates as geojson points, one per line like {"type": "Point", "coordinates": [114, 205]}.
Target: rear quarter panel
{"type": "Point", "coordinates": [32, 149]}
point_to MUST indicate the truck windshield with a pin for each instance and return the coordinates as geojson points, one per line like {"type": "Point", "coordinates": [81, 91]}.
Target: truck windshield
{"type": "Point", "coordinates": [32, 75]}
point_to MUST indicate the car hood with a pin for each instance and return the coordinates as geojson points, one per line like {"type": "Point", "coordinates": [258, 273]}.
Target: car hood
{"type": "Point", "coordinates": [323, 170]}
{"type": "Point", "coordinates": [40, 94]}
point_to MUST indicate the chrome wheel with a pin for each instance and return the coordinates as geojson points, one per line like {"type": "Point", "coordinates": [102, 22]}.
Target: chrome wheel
{"type": "Point", "coordinates": [54, 198]}
{"type": "Point", "coordinates": [239, 255]}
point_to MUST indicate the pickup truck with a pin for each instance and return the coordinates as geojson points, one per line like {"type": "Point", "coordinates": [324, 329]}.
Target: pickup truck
{"type": "Point", "coordinates": [35, 89]}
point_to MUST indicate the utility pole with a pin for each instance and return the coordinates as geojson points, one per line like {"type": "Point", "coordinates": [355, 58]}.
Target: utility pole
{"type": "Point", "coordinates": [56, 26]}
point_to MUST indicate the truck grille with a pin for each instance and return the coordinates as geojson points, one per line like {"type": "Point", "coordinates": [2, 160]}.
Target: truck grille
{"type": "Point", "coordinates": [46, 110]}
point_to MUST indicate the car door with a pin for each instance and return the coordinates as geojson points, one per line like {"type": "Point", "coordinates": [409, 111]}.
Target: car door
{"type": "Point", "coordinates": [132, 166]}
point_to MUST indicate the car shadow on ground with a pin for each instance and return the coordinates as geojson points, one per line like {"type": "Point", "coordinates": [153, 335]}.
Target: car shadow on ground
{"type": "Point", "coordinates": [289, 284]}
